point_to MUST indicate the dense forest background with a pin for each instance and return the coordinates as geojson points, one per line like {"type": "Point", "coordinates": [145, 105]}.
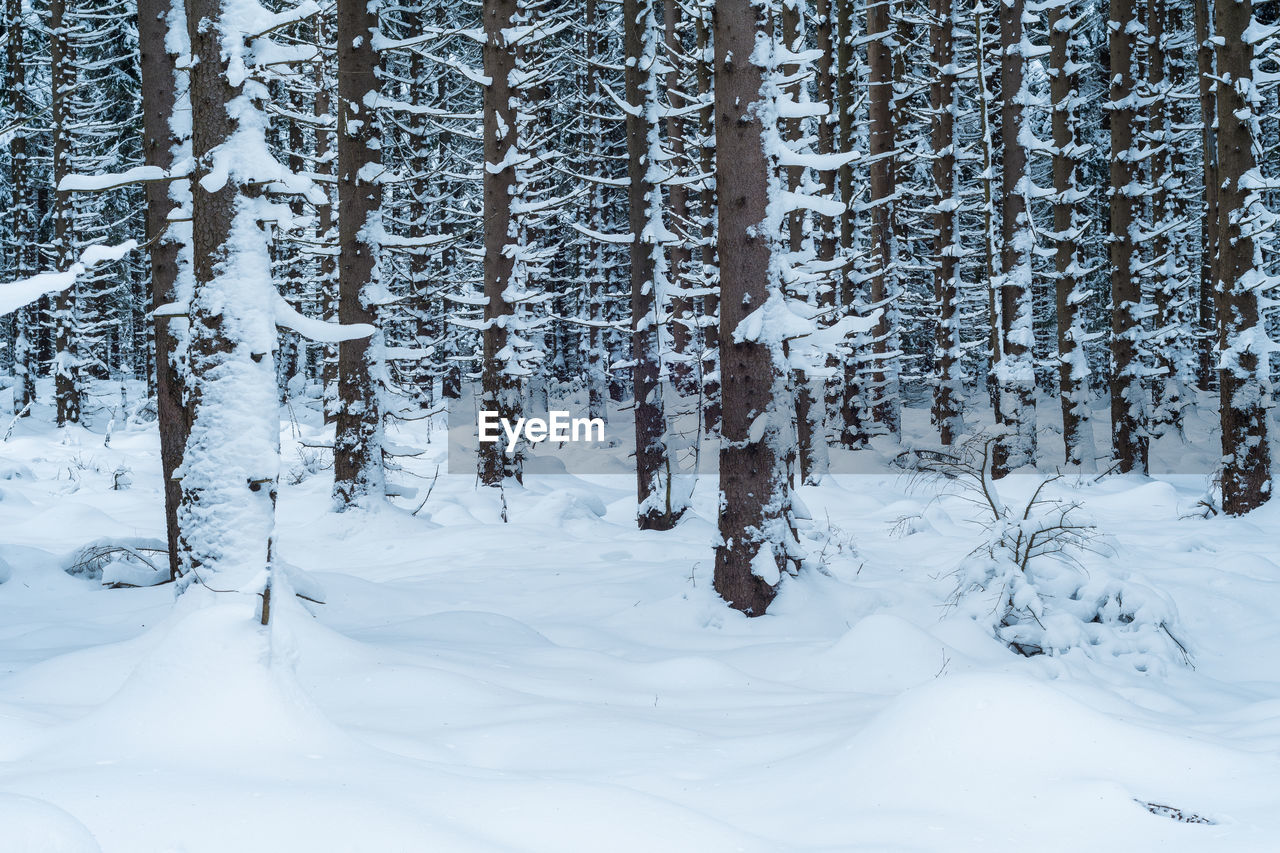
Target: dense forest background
{"type": "Point", "coordinates": [794, 219]}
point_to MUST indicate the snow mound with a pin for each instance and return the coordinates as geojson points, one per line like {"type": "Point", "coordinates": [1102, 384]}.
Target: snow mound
{"type": "Point", "coordinates": [228, 688]}
{"type": "Point", "coordinates": [28, 825]}
{"type": "Point", "coordinates": [1006, 759]}
{"type": "Point", "coordinates": [880, 654]}
{"type": "Point", "coordinates": [564, 505]}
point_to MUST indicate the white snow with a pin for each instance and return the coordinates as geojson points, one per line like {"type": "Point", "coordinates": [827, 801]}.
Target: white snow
{"type": "Point", "coordinates": [566, 682]}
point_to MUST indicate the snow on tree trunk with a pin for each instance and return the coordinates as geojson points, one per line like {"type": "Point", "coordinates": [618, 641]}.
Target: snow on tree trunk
{"type": "Point", "coordinates": [852, 419]}
{"type": "Point", "coordinates": [230, 467]}
{"type": "Point", "coordinates": [1015, 374]}
{"type": "Point", "coordinates": [500, 375]}
{"type": "Point", "coordinates": [1242, 339]}
{"type": "Point", "coordinates": [883, 153]}
{"type": "Point", "coordinates": [1165, 224]}
{"type": "Point", "coordinates": [1128, 395]}
{"type": "Point", "coordinates": [709, 364]}
{"type": "Point", "coordinates": [66, 367]}
{"type": "Point", "coordinates": [357, 447]}
{"type": "Point", "coordinates": [948, 393]}
{"type": "Point", "coordinates": [596, 284]}
{"type": "Point", "coordinates": [757, 542]}
{"type": "Point", "coordinates": [21, 236]}
{"type": "Point", "coordinates": [1206, 331]}
{"type": "Point", "coordinates": [161, 35]}
{"type": "Point", "coordinates": [1066, 49]}
{"type": "Point", "coordinates": [684, 352]}
{"type": "Point", "coordinates": [659, 507]}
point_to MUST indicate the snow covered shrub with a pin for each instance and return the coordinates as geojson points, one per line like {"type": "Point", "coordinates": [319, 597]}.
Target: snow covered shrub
{"type": "Point", "coordinates": [310, 461]}
{"type": "Point", "coordinates": [1025, 582]}
{"type": "Point", "coordinates": [121, 562]}
{"type": "Point", "coordinates": [121, 478]}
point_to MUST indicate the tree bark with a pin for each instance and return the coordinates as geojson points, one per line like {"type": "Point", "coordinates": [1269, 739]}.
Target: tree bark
{"type": "Point", "coordinates": [653, 463]}
{"type": "Point", "coordinates": [883, 151]}
{"type": "Point", "coordinates": [21, 235]}
{"type": "Point", "coordinates": [597, 355]}
{"type": "Point", "coordinates": [853, 429]}
{"type": "Point", "coordinates": [1242, 376]}
{"type": "Point", "coordinates": [500, 387]}
{"type": "Point", "coordinates": [1128, 409]}
{"type": "Point", "coordinates": [755, 498]}
{"type": "Point", "coordinates": [66, 368]}
{"type": "Point", "coordinates": [679, 256]}
{"type": "Point", "coordinates": [357, 446]}
{"type": "Point", "coordinates": [1209, 239]}
{"type": "Point", "coordinates": [1069, 228]}
{"type": "Point", "coordinates": [948, 390]}
{"type": "Point", "coordinates": [231, 462]}
{"type": "Point", "coordinates": [160, 143]}
{"type": "Point", "coordinates": [704, 75]}
{"type": "Point", "coordinates": [1015, 372]}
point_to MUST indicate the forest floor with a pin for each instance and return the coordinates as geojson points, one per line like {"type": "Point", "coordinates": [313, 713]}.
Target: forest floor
{"type": "Point", "coordinates": [566, 682]}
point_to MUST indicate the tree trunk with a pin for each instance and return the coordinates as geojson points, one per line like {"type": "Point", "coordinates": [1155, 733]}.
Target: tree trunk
{"type": "Point", "coordinates": [160, 144]}
{"type": "Point", "coordinates": [1069, 227]}
{"type": "Point", "coordinates": [597, 355]}
{"type": "Point", "coordinates": [1242, 376]}
{"type": "Point", "coordinates": [648, 270]}
{"type": "Point", "coordinates": [1015, 373]}
{"type": "Point", "coordinates": [1209, 239]}
{"type": "Point", "coordinates": [66, 367]}
{"type": "Point", "coordinates": [811, 449]}
{"type": "Point", "coordinates": [324, 223]}
{"type": "Point", "coordinates": [990, 253]}
{"type": "Point", "coordinates": [500, 390]}
{"type": "Point", "coordinates": [853, 430]}
{"type": "Point", "coordinates": [22, 234]}
{"type": "Point", "coordinates": [948, 395]}
{"type": "Point", "coordinates": [755, 498]}
{"type": "Point", "coordinates": [708, 368]}
{"type": "Point", "coordinates": [230, 466]}
{"type": "Point", "coordinates": [882, 149]}
{"type": "Point", "coordinates": [357, 446]}
{"type": "Point", "coordinates": [1128, 409]}
{"type": "Point", "coordinates": [826, 240]}
{"type": "Point", "coordinates": [679, 255]}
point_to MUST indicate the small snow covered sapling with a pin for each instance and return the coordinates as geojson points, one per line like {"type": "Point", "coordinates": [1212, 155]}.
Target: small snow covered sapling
{"type": "Point", "coordinates": [1025, 580]}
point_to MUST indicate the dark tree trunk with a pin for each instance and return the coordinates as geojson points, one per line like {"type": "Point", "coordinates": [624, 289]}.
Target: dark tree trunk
{"type": "Point", "coordinates": [1015, 372]}
{"type": "Point", "coordinates": [824, 29]}
{"type": "Point", "coordinates": [357, 445]}
{"type": "Point", "coordinates": [679, 256]}
{"type": "Point", "coordinates": [1207, 334]}
{"type": "Point", "coordinates": [1067, 226]}
{"type": "Point", "coordinates": [755, 499]}
{"type": "Point", "coordinates": [1246, 475]}
{"type": "Point", "coordinates": [853, 430]}
{"type": "Point", "coordinates": [1128, 430]}
{"type": "Point", "coordinates": [810, 434]}
{"type": "Point", "coordinates": [653, 464]}
{"type": "Point", "coordinates": [324, 225]}
{"type": "Point", "coordinates": [947, 399]}
{"type": "Point", "coordinates": [66, 384]}
{"type": "Point", "coordinates": [597, 354]}
{"type": "Point", "coordinates": [21, 220]}
{"type": "Point", "coordinates": [704, 73]}
{"type": "Point", "coordinates": [159, 143]}
{"type": "Point", "coordinates": [1164, 179]}
{"type": "Point", "coordinates": [500, 390]}
{"type": "Point", "coordinates": [882, 150]}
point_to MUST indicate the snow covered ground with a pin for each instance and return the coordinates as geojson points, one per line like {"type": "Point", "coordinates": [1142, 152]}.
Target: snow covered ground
{"type": "Point", "coordinates": [566, 682]}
